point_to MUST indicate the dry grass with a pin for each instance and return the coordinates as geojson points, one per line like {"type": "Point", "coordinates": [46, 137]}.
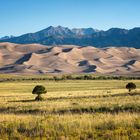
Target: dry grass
{"type": "Point", "coordinates": [72, 110]}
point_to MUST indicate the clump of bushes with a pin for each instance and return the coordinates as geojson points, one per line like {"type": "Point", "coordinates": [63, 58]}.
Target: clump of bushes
{"type": "Point", "coordinates": [69, 77]}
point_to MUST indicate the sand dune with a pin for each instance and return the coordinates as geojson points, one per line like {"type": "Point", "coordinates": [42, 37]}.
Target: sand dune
{"type": "Point", "coordinates": [39, 59]}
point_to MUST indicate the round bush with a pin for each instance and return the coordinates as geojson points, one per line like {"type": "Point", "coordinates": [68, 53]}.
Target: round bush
{"type": "Point", "coordinates": [130, 86]}
{"type": "Point", "coordinates": [39, 89]}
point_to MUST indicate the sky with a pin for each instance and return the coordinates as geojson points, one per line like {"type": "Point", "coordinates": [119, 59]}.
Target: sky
{"type": "Point", "coordinates": [18, 17]}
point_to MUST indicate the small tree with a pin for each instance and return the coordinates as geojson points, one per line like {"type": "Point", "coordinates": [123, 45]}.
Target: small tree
{"type": "Point", "coordinates": [39, 89]}
{"type": "Point", "coordinates": [130, 86]}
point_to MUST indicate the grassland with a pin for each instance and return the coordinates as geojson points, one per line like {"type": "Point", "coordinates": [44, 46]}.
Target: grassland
{"type": "Point", "coordinates": [72, 110]}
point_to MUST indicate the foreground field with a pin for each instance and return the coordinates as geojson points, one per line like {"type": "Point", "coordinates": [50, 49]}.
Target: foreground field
{"type": "Point", "coordinates": [72, 110]}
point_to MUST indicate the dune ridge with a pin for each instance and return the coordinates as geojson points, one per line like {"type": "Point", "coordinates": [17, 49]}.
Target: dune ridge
{"type": "Point", "coordinates": [67, 59]}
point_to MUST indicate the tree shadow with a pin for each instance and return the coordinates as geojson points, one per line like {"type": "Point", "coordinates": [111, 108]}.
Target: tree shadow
{"type": "Point", "coordinates": [95, 96]}
{"type": "Point", "coordinates": [81, 97]}
{"type": "Point", "coordinates": [33, 100]}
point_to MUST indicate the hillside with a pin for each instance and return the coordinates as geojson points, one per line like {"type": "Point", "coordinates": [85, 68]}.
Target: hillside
{"type": "Point", "coordinates": [39, 59]}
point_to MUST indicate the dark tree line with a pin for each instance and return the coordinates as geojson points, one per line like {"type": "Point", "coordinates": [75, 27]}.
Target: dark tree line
{"type": "Point", "coordinates": [70, 77]}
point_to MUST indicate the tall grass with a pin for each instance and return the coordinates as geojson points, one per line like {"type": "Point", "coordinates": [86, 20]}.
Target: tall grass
{"type": "Point", "coordinates": [95, 126]}
{"type": "Point", "coordinates": [72, 110]}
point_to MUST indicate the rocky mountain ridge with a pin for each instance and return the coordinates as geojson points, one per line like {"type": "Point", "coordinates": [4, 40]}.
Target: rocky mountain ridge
{"type": "Point", "coordinates": [81, 36]}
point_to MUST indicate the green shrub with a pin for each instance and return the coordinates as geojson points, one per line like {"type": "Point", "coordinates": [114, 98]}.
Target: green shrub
{"type": "Point", "coordinates": [39, 89]}
{"type": "Point", "coordinates": [130, 86]}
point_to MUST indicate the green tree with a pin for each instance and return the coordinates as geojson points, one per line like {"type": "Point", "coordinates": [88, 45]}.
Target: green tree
{"type": "Point", "coordinates": [39, 89]}
{"type": "Point", "coordinates": [130, 86]}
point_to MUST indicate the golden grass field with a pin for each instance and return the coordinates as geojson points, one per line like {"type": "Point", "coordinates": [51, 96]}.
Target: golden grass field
{"type": "Point", "coordinates": [72, 110]}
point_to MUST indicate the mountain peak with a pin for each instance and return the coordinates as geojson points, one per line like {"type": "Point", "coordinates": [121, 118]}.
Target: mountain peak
{"type": "Point", "coordinates": [60, 35]}
{"type": "Point", "coordinates": [6, 37]}
{"type": "Point", "coordinates": [84, 31]}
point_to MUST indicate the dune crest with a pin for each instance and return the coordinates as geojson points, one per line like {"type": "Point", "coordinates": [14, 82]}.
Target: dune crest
{"type": "Point", "coordinates": [40, 59]}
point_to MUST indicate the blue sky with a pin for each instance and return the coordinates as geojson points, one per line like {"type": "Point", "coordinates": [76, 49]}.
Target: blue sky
{"type": "Point", "coordinates": [22, 16]}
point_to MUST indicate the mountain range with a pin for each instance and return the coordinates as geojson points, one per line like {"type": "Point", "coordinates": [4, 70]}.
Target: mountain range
{"type": "Point", "coordinates": [80, 36]}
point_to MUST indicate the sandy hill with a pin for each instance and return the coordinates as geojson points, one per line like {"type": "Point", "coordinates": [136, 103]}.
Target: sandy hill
{"type": "Point", "coordinates": [39, 59]}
